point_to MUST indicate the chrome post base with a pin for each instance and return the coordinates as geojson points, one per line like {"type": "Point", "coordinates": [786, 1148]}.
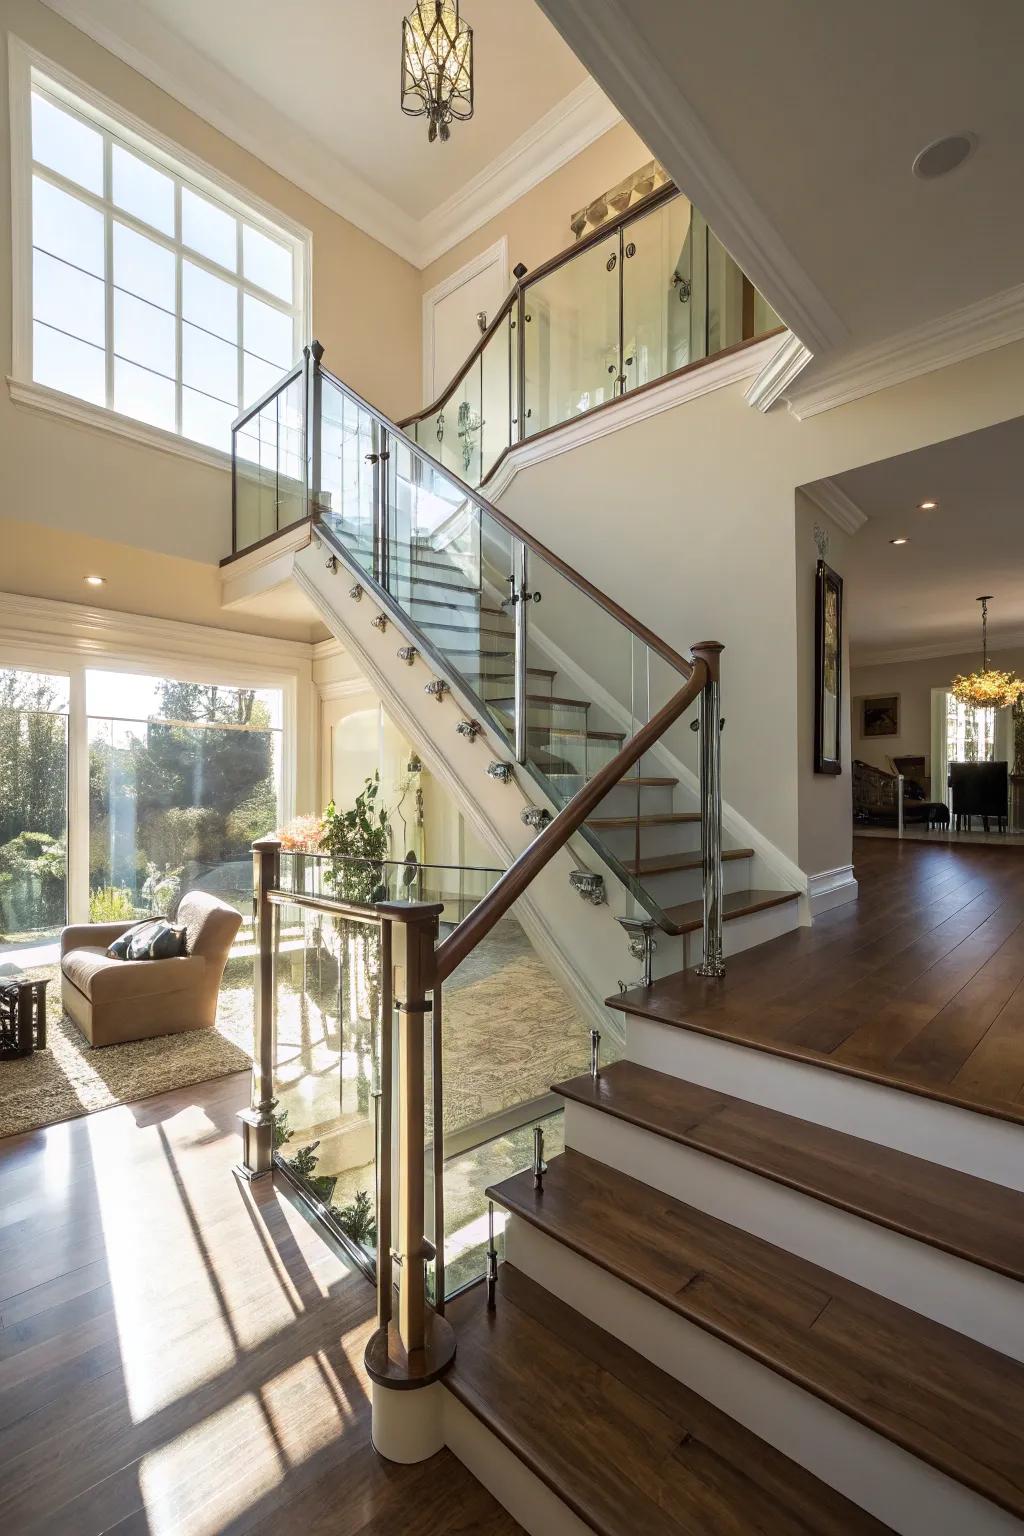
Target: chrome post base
{"type": "Point", "coordinates": [595, 1054]}
{"type": "Point", "coordinates": [540, 1167]}
{"type": "Point", "coordinates": [492, 1260]}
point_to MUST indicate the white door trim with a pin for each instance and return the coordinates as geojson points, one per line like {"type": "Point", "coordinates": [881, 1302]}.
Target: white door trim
{"type": "Point", "coordinates": [494, 255]}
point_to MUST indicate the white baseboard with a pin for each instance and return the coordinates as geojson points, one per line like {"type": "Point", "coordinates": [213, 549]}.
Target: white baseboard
{"type": "Point", "coordinates": [905, 1493]}
{"type": "Point", "coordinates": [978, 1302]}
{"type": "Point", "coordinates": [982, 1145]}
{"type": "Point", "coordinates": [831, 888]}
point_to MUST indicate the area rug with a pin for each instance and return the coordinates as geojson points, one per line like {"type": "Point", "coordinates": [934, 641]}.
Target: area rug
{"type": "Point", "coordinates": [69, 1078]}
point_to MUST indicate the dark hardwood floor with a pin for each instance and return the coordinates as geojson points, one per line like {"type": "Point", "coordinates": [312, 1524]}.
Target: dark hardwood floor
{"type": "Point", "coordinates": [919, 983]}
{"type": "Point", "coordinates": [181, 1353]}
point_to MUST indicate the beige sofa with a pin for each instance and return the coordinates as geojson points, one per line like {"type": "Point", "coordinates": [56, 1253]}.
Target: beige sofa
{"type": "Point", "coordinates": [112, 1001]}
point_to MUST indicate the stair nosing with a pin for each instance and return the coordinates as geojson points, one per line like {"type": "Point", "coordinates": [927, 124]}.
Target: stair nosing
{"type": "Point", "coordinates": [568, 1090]}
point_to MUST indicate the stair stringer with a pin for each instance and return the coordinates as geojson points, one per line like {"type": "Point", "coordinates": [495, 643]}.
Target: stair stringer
{"type": "Point", "coordinates": [583, 943]}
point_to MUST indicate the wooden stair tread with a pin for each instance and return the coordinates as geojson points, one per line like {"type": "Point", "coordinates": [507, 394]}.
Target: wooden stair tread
{"type": "Point", "coordinates": [668, 819]}
{"type": "Point", "coordinates": [688, 916]}
{"type": "Point", "coordinates": [543, 698]}
{"type": "Point", "coordinates": [963, 1215]}
{"type": "Point", "coordinates": [436, 602]}
{"type": "Point", "coordinates": [941, 1396]}
{"type": "Point", "coordinates": [667, 863]}
{"type": "Point", "coordinates": [627, 1447]}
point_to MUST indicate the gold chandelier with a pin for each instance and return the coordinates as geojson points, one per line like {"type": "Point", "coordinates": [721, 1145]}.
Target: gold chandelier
{"type": "Point", "coordinates": [437, 66]}
{"type": "Point", "coordinates": [988, 688]}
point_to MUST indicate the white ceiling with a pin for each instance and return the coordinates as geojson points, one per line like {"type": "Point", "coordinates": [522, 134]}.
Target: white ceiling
{"type": "Point", "coordinates": [313, 89]}
{"type": "Point", "coordinates": [793, 125]}
{"type": "Point", "coordinates": [921, 595]}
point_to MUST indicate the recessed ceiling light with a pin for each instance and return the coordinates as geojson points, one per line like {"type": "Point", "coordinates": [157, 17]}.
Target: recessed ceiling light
{"type": "Point", "coordinates": [944, 155]}
{"type": "Point", "coordinates": [927, 506]}
{"type": "Point", "coordinates": [899, 541]}
{"type": "Point", "coordinates": [95, 581]}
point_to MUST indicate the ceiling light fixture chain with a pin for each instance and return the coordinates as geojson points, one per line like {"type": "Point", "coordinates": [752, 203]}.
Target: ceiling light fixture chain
{"type": "Point", "coordinates": [437, 66]}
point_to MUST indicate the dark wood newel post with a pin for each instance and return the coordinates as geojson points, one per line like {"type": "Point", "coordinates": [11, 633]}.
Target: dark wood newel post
{"type": "Point", "coordinates": [258, 1119]}
{"type": "Point", "coordinates": [710, 653]}
{"type": "Point", "coordinates": [415, 1348]}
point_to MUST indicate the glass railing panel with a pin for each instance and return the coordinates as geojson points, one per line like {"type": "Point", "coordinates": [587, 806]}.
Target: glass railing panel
{"type": "Point", "coordinates": [496, 370]}
{"type": "Point", "coordinates": [291, 453]}
{"type": "Point", "coordinates": [328, 983]}
{"type": "Point", "coordinates": [349, 443]}
{"type": "Point", "coordinates": [571, 337]}
{"type": "Point", "coordinates": [270, 465]}
{"type": "Point", "coordinates": [656, 291]}
{"type": "Point", "coordinates": [458, 887]}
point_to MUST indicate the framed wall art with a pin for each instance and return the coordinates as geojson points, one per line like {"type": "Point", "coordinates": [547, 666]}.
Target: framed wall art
{"type": "Point", "coordinates": [828, 670]}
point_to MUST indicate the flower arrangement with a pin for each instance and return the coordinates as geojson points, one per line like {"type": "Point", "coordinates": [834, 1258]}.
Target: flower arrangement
{"type": "Point", "coordinates": [301, 835]}
{"type": "Point", "coordinates": [990, 689]}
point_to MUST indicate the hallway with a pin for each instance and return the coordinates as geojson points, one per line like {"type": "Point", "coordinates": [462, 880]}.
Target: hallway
{"type": "Point", "coordinates": [182, 1353]}
{"type": "Point", "coordinates": [918, 984]}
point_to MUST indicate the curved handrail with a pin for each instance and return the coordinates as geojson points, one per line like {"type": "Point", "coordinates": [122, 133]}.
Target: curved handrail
{"type": "Point", "coordinates": [662, 194]}
{"type": "Point", "coordinates": [454, 949]}
{"type": "Point", "coordinates": [635, 626]}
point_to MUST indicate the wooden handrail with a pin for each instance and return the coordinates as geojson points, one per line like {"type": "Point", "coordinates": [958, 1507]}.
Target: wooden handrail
{"type": "Point", "coordinates": [635, 626]}
{"type": "Point", "coordinates": [662, 194]}
{"type": "Point", "coordinates": [454, 949]}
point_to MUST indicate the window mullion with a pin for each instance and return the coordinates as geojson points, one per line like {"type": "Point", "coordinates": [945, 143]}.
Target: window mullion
{"type": "Point", "coordinates": [240, 310]}
{"type": "Point", "coordinates": [108, 271]}
{"type": "Point", "coordinates": [178, 344]}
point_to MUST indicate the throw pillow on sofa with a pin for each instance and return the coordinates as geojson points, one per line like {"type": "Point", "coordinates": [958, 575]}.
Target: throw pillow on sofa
{"type": "Point", "coordinates": [118, 950]}
{"type": "Point", "coordinates": [157, 941]}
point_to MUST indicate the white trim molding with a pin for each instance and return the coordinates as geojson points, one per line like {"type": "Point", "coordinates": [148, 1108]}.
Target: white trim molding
{"type": "Point", "coordinates": [778, 373]}
{"type": "Point", "coordinates": [145, 43]}
{"type": "Point", "coordinates": [714, 373]}
{"type": "Point", "coordinates": [831, 499]}
{"type": "Point", "coordinates": [831, 888]}
{"type": "Point", "coordinates": [604, 36]}
{"type": "Point", "coordinates": [953, 645]}
{"type": "Point", "coordinates": [993, 322]}
{"type": "Point", "coordinates": [495, 255]}
{"type": "Point", "coordinates": [97, 418]}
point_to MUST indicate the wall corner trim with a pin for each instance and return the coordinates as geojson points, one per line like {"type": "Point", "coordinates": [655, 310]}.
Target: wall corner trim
{"type": "Point", "coordinates": [778, 373]}
{"type": "Point", "coordinates": [831, 499]}
{"type": "Point", "coordinates": [831, 888]}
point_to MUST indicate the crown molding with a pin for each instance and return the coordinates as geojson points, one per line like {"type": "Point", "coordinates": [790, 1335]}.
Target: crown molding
{"type": "Point", "coordinates": [604, 36]}
{"type": "Point", "coordinates": [778, 373]}
{"type": "Point", "coordinates": [143, 42]}
{"type": "Point", "coordinates": [952, 646]}
{"type": "Point", "coordinates": [561, 134]}
{"type": "Point", "coordinates": [831, 499]}
{"type": "Point", "coordinates": [993, 322]}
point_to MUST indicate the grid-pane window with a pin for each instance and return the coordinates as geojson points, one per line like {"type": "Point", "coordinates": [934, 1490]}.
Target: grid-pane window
{"type": "Point", "coordinates": [970, 732]}
{"type": "Point", "coordinates": [151, 296]}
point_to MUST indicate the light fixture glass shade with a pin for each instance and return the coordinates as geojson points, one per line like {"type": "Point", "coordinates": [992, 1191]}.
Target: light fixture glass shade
{"type": "Point", "coordinates": [437, 66]}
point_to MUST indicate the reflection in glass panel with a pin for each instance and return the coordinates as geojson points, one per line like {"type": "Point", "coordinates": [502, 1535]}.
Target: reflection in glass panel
{"type": "Point", "coordinates": [326, 1067]}
{"type": "Point", "coordinates": [267, 263]}
{"type": "Point", "coordinates": [143, 267]}
{"type": "Point", "coordinates": [66, 144]}
{"type": "Point", "coordinates": [67, 227]}
{"type": "Point", "coordinates": [141, 190]}
{"type": "Point", "coordinates": [267, 332]}
{"type": "Point", "coordinates": [183, 778]}
{"type": "Point", "coordinates": [68, 299]}
{"type": "Point", "coordinates": [209, 364]}
{"type": "Point", "coordinates": [257, 378]}
{"type": "Point", "coordinates": [572, 337]}
{"type": "Point", "coordinates": [495, 397]}
{"type": "Point", "coordinates": [33, 806]}
{"type": "Point", "coordinates": [205, 420]}
{"type": "Point", "coordinates": [209, 302]}
{"type": "Point", "coordinates": [656, 292]}
{"type": "Point", "coordinates": [143, 394]}
{"type": "Point", "coordinates": [144, 334]}
{"type": "Point", "coordinates": [74, 367]}
{"type": "Point", "coordinates": [209, 229]}
{"type": "Point", "coordinates": [347, 475]}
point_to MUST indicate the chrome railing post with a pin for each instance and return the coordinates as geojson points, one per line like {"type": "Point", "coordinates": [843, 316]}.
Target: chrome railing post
{"type": "Point", "coordinates": [709, 651]}
{"type": "Point", "coordinates": [899, 805]}
{"type": "Point", "coordinates": [520, 606]}
{"type": "Point", "coordinates": [258, 1119]}
{"type": "Point", "coordinates": [314, 400]}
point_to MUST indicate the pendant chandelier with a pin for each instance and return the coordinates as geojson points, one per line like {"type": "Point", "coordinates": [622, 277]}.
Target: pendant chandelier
{"type": "Point", "coordinates": [988, 688]}
{"type": "Point", "coordinates": [437, 66]}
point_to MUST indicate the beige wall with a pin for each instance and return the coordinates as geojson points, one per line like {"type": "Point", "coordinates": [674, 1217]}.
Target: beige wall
{"type": "Point", "coordinates": [537, 224]}
{"type": "Point", "coordinates": [688, 521]}
{"type": "Point", "coordinates": [825, 805]}
{"type": "Point", "coordinates": [366, 311]}
{"type": "Point", "coordinates": [914, 681]}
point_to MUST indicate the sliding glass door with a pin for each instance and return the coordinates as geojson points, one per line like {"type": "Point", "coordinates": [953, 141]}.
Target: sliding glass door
{"type": "Point", "coordinates": [33, 806]}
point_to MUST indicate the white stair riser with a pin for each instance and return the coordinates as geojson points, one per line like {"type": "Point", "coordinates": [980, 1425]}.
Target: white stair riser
{"type": "Point", "coordinates": [961, 1295]}
{"type": "Point", "coordinates": [527, 1499]}
{"type": "Point", "coordinates": [981, 1145]}
{"type": "Point", "coordinates": [674, 837]}
{"type": "Point", "coordinates": [896, 1487]}
{"type": "Point", "coordinates": [742, 933]}
{"type": "Point", "coordinates": [687, 884]}
{"type": "Point", "coordinates": [655, 800]}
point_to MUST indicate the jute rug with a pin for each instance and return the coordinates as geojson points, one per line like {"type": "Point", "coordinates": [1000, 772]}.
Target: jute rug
{"type": "Point", "coordinates": [69, 1078]}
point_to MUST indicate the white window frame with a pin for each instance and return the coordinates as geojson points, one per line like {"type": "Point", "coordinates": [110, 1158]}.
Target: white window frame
{"type": "Point", "coordinates": [30, 69]}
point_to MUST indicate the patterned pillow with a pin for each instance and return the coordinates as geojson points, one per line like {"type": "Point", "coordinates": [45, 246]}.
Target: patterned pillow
{"type": "Point", "coordinates": [160, 940]}
{"type": "Point", "coordinates": [118, 950]}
